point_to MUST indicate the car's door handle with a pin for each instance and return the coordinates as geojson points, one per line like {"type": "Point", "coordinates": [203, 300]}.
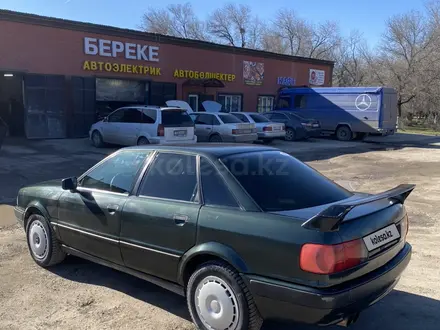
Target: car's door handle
{"type": "Point", "coordinates": [112, 208]}
{"type": "Point", "coordinates": [207, 127]}
{"type": "Point", "coordinates": [366, 118]}
{"type": "Point", "coordinates": [180, 220]}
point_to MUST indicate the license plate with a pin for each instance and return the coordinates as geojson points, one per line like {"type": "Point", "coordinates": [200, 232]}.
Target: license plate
{"type": "Point", "coordinates": [246, 131]}
{"type": "Point", "coordinates": [180, 133]}
{"type": "Point", "coordinates": [276, 128]}
{"type": "Point", "coordinates": [315, 125]}
{"type": "Point", "coordinates": [381, 237]}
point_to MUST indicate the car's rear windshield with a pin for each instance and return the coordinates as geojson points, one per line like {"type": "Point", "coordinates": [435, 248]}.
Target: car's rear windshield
{"type": "Point", "coordinates": [279, 182]}
{"type": "Point", "coordinates": [227, 118]}
{"type": "Point", "coordinates": [259, 118]}
{"type": "Point", "coordinates": [176, 118]}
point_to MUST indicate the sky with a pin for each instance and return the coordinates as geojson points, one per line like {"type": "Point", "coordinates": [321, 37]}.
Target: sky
{"type": "Point", "coordinates": [367, 16]}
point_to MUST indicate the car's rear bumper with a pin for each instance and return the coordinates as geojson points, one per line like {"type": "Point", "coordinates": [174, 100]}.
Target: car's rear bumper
{"type": "Point", "coordinates": [289, 302]}
{"type": "Point", "coordinates": [242, 138]}
{"type": "Point", "coordinates": [19, 215]}
{"type": "Point", "coordinates": [271, 135]}
{"type": "Point", "coordinates": [159, 140]}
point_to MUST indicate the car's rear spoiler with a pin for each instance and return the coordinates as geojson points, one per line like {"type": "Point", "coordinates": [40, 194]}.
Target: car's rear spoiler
{"type": "Point", "coordinates": [330, 218]}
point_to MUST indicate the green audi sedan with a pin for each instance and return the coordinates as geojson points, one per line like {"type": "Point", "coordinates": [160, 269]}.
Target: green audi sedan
{"type": "Point", "coordinates": [245, 232]}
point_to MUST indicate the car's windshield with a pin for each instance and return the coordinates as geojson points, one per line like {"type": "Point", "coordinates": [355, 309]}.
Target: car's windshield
{"type": "Point", "coordinates": [227, 118]}
{"type": "Point", "coordinates": [259, 118]}
{"type": "Point", "coordinates": [280, 182]}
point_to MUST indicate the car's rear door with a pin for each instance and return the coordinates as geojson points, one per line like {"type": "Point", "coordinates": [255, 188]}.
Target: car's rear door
{"type": "Point", "coordinates": [129, 129]}
{"type": "Point", "coordinates": [90, 218]}
{"type": "Point", "coordinates": [159, 223]}
{"type": "Point", "coordinates": [204, 124]}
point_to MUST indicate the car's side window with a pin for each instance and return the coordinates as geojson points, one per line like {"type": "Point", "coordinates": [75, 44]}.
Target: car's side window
{"type": "Point", "coordinates": [171, 176]}
{"type": "Point", "coordinates": [204, 120]}
{"type": "Point", "coordinates": [242, 117]}
{"type": "Point", "coordinates": [116, 174]}
{"type": "Point", "coordinates": [149, 116]}
{"type": "Point", "coordinates": [279, 117]}
{"type": "Point", "coordinates": [215, 190]}
{"type": "Point", "coordinates": [117, 116]}
{"type": "Point", "coordinates": [215, 120]}
{"type": "Point", "coordinates": [132, 116]}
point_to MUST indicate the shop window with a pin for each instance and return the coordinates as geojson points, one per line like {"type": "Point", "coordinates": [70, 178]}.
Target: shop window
{"type": "Point", "coordinates": [283, 102]}
{"type": "Point", "coordinates": [300, 102]}
{"type": "Point", "coordinates": [161, 92]}
{"type": "Point", "coordinates": [230, 103]}
{"type": "Point", "coordinates": [265, 103]}
{"type": "Point", "coordinates": [193, 101]}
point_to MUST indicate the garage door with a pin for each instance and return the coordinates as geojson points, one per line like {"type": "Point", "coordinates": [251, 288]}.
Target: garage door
{"type": "Point", "coordinates": [45, 106]}
{"type": "Point", "coordinates": [83, 105]}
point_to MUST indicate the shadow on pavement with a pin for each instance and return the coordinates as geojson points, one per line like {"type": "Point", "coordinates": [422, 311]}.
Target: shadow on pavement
{"type": "Point", "coordinates": [398, 311]}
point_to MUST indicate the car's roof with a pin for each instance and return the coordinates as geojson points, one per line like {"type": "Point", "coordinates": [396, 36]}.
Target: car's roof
{"type": "Point", "coordinates": [151, 107]}
{"type": "Point", "coordinates": [217, 150]}
{"type": "Point", "coordinates": [247, 112]}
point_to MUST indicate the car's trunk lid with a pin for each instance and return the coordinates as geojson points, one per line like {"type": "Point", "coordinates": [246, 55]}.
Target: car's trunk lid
{"type": "Point", "coordinates": [380, 224]}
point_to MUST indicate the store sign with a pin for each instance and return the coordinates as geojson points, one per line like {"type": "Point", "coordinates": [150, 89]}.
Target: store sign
{"type": "Point", "coordinates": [124, 68]}
{"type": "Point", "coordinates": [286, 81]}
{"type": "Point", "coordinates": [316, 77]}
{"type": "Point", "coordinates": [131, 51]}
{"type": "Point", "coordinates": [178, 73]}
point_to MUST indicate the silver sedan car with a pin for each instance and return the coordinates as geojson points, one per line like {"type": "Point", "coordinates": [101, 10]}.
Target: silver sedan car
{"type": "Point", "coordinates": [222, 127]}
{"type": "Point", "coordinates": [267, 130]}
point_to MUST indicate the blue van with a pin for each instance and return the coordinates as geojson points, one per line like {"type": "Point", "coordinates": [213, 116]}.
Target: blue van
{"type": "Point", "coordinates": [348, 112]}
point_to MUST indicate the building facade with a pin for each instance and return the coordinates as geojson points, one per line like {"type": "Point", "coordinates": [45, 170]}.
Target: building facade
{"type": "Point", "coordinates": [55, 75]}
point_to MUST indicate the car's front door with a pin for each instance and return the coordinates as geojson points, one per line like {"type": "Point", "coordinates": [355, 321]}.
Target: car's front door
{"type": "Point", "coordinates": [111, 126]}
{"type": "Point", "coordinates": [204, 124]}
{"type": "Point", "coordinates": [159, 223]}
{"type": "Point", "coordinates": [89, 219]}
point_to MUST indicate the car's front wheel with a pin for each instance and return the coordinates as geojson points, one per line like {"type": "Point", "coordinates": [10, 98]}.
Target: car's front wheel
{"type": "Point", "coordinates": [44, 246]}
{"type": "Point", "coordinates": [97, 139]}
{"type": "Point", "coordinates": [218, 298]}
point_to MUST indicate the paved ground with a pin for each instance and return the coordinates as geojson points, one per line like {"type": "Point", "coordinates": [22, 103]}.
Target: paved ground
{"type": "Point", "coordinates": [80, 295]}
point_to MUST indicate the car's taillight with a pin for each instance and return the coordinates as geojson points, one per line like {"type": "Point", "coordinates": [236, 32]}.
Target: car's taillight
{"type": "Point", "coordinates": [329, 259]}
{"type": "Point", "coordinates": [160, 130]}
{"type": "Point", "coordinates": [283, 128]}
{"type": "Point", "coordinates": [404, 227]}
{"type": "Point", "coordinates": [267, 128]}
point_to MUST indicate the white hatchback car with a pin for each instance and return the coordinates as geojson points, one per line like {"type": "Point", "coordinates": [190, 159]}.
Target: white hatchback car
{"type": "Point", "coordinates": [138, 125]}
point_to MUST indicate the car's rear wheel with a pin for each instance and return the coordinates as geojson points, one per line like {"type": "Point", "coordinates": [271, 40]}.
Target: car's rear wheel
{"type": "Point", "coordinates": [44, 246]}
{"type": "Point", "coordinates": [142, 141]}
{"type": "Point", "coordinates": [218, 298]}
{"type": "Point", "coordinates": [215, 138]}
{"type": "Point", "coordinates": [344, 133]}
{"type": "Point", "coordinates": [97, 140]}
{"type": "Point", "coordinates": [290, 134]}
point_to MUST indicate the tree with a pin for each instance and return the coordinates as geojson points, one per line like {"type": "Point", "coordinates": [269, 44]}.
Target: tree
{"type": "Point", "coordinates": [291, 29]}
{"type": "Point", "coordinates": [233, 24]}
{"type": "Point", "coordinates": [176, 20]}
{"type": "Point", "coordinates": [351, 67]}
{"type": "Point", "coordinates": [409, 56]}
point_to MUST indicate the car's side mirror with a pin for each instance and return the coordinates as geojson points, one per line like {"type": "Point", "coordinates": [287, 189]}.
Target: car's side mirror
{"type": "Point", "coordinates": [70, 184]}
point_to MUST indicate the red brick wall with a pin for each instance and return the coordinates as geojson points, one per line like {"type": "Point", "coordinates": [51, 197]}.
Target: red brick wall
{"type": "Point", "coordinates": [40, 49]}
